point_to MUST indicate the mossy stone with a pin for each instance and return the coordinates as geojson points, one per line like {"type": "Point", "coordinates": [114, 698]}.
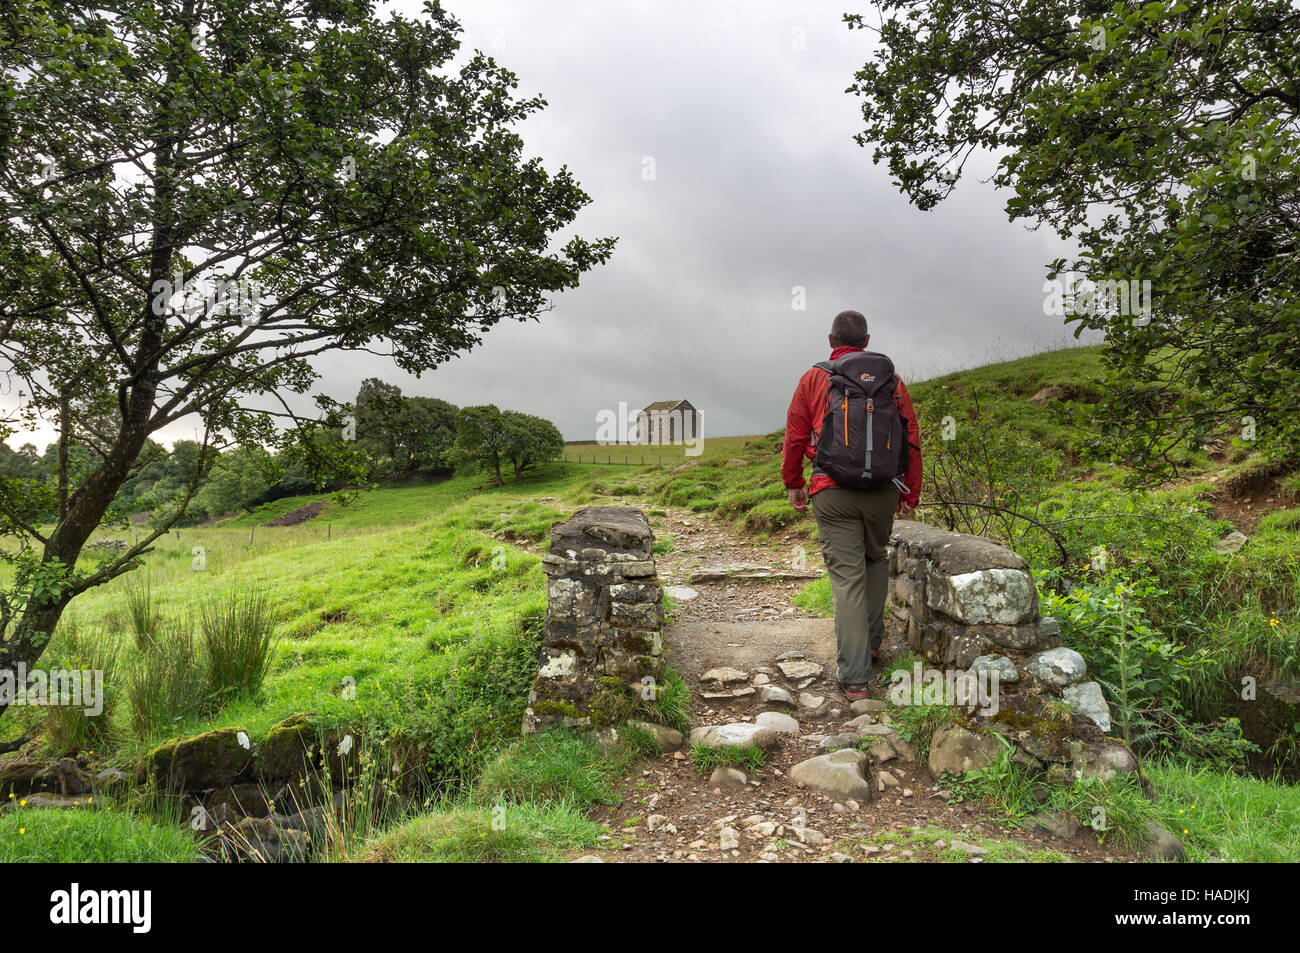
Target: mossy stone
{"type": "Point", "coordinates": [213, 759]}
{"type": "Point", "coordinates": [290, 750]}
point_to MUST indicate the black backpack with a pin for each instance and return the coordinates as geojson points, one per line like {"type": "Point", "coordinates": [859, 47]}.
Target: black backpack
{"type": "Point", "coordinates": [863, 440]}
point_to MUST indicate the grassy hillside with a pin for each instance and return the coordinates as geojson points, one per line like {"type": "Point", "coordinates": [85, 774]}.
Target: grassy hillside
{"type": "Point", "coordinates": [412, 613]}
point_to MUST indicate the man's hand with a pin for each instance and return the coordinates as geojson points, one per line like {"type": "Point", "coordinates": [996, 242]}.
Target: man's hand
{"type": "Point", "coordinates": [798, 498]}
{"type": "Point", "coordinates": [903, 511]}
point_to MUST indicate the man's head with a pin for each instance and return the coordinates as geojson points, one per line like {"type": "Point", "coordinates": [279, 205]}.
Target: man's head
{"type": "Point", "coordinates": [849, 329]}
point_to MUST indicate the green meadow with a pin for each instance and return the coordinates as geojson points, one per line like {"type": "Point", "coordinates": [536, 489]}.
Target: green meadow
{"type": "Point", "coordinates": [411, 616]}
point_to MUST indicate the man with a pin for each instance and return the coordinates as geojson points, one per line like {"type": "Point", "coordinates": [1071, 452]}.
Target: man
{"type": "Point", "coordinates": [855, 502]}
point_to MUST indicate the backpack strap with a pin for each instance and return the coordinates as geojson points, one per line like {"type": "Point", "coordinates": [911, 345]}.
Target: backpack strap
{"type": "Point", "coordinates": [826, 366]}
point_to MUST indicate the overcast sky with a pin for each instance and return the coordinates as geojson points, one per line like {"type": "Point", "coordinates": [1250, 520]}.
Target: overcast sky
{"type": "Point", "coordinates": [758, 188]}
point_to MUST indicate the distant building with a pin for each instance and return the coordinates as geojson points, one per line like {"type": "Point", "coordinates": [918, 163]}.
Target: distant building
{"type": "Point", "coordinates": [667, 422]}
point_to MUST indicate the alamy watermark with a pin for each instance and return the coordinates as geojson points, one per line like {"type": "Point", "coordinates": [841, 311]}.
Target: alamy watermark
{"type": "Point", "coordinates": [978, 688]}
{"type": "Point", "coordinates": [1072, 294]}
{"type": "Point", "coordinates": [56, 688]}
{"type": "Point", "coordinates": [651, 427]}
{"type": "Point", "coordinates": [236, 297]}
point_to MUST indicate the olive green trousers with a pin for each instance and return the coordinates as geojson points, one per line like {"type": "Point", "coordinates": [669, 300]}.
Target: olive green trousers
{"type": "Point", "coordinates": [853, 527]}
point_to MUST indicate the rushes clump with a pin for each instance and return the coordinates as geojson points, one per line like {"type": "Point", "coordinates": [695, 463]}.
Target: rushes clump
{"type": "Point", "coordinates": [168, 681]}
{"type": "Point", "coordinates": [238, 633]}
{"type": "Point", "coordinates": [73, 728]}
{"type": "Point", "coordinates": [143, 611]}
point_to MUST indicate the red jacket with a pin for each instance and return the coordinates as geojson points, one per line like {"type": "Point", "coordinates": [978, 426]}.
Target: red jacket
{"type": "Point", "coordinates": [803, 424]}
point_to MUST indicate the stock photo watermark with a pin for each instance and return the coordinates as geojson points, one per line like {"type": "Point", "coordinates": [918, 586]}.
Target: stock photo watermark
{"type": "Point", "coordinates": [56, 688]}
{"type": "Point", "coordinates": [668, 423]}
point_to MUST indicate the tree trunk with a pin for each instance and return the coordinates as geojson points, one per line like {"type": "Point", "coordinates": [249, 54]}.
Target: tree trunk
{"type": "Point", "coordinates": [82, 515]}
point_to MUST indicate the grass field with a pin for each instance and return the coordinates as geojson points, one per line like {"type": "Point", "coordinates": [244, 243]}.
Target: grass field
{"type": "Point", "coordinates": [412, 614]}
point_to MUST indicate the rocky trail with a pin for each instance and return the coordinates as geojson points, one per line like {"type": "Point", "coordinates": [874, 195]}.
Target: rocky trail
{"type": "Point", "coordinates": [763, 670]}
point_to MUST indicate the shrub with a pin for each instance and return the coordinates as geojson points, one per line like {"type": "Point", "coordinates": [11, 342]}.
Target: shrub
{"type": "Point", "coordinates": [514, 833]}
{"type": "Point", "coordinates": [745, 757]}
{"type": "Point", "coordinates": [1143, 672]}
{"type": "Point", "coordinates": [549, 767]}
{"type": "Point", "coordinates": [1116, 810]}
{"type": "Point", "coordinates": [916, 722]}
{"type": "Point", "coordinates": [671, 704]}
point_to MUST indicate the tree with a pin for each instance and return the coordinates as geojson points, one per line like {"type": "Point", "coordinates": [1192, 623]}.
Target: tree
{"type": "Point", "coordinates": [530, 441]}
{"type": "Point", "coordinates": [24, 463]}
{"type": "Point", "coordinates": [237, 482]}
{"type": "Point", "coordinates": [404, 434]}
{"type": "Point", "coordinates": [1162, 138]}
{"type": "Point", "coordinates": [377, 408]}
{"type": "Point", "coordinates": [200, 196]}
{"type": "Point", "coordinates": [428, 433]}
{"type": "Point", "coordinates": [480, 439]}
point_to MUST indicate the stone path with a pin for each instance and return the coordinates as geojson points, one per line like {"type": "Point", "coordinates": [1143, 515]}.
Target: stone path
{"type": "Point", "coordinates": [764, 668]}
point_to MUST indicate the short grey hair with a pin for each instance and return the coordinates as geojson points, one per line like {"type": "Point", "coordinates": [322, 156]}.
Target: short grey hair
{"type": "Point", "coordinates": [849, 328]}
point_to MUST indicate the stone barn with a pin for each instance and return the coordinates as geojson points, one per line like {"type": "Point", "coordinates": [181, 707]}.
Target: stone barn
{"type": "Point", "coordinates": [668, 422]}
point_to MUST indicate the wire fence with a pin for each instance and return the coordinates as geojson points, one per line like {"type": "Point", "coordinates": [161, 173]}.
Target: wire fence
{"type": "Point", "coordinates": [629, 460]}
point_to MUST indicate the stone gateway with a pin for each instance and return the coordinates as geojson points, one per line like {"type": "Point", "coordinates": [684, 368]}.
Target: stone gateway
{"type": "Point", "coordinates": [604, 618]}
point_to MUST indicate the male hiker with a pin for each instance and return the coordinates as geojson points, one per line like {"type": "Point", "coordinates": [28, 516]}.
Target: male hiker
{"type": "Point", "coordinates": [854, 419]}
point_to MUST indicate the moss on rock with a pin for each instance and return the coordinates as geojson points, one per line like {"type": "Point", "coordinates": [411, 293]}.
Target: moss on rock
{"type": "Point", "coordinates": [214, 759]}
{"type": "Point", "coordinates": [291, 749]}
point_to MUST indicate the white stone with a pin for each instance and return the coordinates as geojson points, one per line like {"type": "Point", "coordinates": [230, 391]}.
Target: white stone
{"type": "Point", "coordinates": [559, 666]}
{"type": "Point", "coordinates": [1005, 668]}
{"type": "Point", "coordinates": [726, 675]}
{"type": "Point", "coordinates": [726, 778]}
{"type": "Point", "coordinates": [737, 733]}
{"type": "Point", "coordinates": [1087, 699]}
{"type": "Point", "coordinates": [1002, 596]}
{"type": "Point", "coordinates": [799, 669]}
{"type": "Point", "coordinates": [1232, 542]}
{"type": "Point", "coordinates": [778, 721]}
{"type": "Point", "coordinates": [775, 695]}
{"type": "Point", "coordinates": [1059, 667]}
{"type": "Point", "coordinates": [840, 774]}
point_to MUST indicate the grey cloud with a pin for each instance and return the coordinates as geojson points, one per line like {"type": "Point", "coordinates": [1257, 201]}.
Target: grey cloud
{"type": "Point", "coordinates": [759, 188]}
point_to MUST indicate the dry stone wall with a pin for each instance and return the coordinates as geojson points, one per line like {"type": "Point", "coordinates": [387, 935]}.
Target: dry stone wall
{"type": "Point", "coordinates": [604, 619]}
{"type": "Point", "coordinates": [966, 604]}
{"type": "Point", "coordinates": [955, 597]}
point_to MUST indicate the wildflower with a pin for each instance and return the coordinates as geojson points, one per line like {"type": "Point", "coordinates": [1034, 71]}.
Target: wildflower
{"type": "Point", "coordinates": [22, 830]}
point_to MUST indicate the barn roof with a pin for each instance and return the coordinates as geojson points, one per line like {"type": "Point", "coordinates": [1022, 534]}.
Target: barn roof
{"type": "Point", "coordinates": [667, 405]}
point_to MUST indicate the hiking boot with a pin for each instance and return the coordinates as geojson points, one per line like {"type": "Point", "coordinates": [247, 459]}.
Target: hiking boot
{"type": "Point", "coordinates": [856, 693]}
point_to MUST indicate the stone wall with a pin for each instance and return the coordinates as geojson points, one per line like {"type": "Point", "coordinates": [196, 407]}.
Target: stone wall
{"type": "Point", "coordinates": [966, 603]}
{"type": "Point", "coordinates": [604, 618]}
{"type": "Point", "coordinates": [955, 597]}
